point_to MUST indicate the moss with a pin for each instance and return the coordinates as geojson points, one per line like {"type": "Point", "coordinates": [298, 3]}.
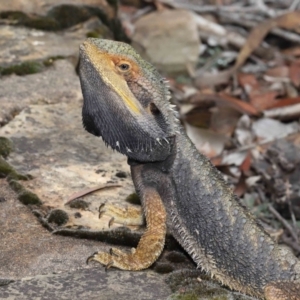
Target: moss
{"type": "Point", "coordinates": [69, 15]}
{"type": "Point", "coordinates": [66, 15]}
{"type": "Point", "coordinates": [4, 281]}
{"type": "Point", "coordinates": [121, 174]}
{"type": "Point", "coordinates": [25, 196]}
{"type": "Point", "coordinates": [133, 199]}
{"type": "Point", "coordinates": [187, 296]}
{"type": "Point", "coordinates": [29, 67]}
{"type": "Point", "coordinates": [42, 23]}
{"type": "Point", "coordinates": [113, 3]}
{"type": "Point", "coordinates": [48, 62]}
{"type": "Point", "coordinates": [100, 32]}
{"type": "Point", "coordinates": [183, 277]}
{"type": "Point", "coordinates": [58, 216]}
{"type": "Point", "coordinates": [6, 170]}
{"type": "Point", "coordinates": [79, 204]}
{"type": "Point", "coordinates": [176, 257]}
{"type": "Point", "coordinates": [14, 16]}
{"type": "Point", "coordinates": [163, 268]}
{"type": "Point", "coordinates": [77, 215]}
{"type": "Point", "coordinates": [6, 146]}
{"type": "Point", "coordinates": [25, 68]}
{"type": "Point", "coordinates": [192, 284]}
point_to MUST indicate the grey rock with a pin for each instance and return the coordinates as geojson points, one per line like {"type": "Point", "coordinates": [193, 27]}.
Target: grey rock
{"type": "Point", "coordinates": [89, 284]}
{"type": "Point", "coordinates": [42, 6]}
{"type": "Point", "coordinates": [19, 44]}
{"type": "Point", "coordinates": [28, 249]}
{"type": "Point", "coordinates": [51, 145]}
{"type": "Point", "coordinates": [58, 84]}
{"type": "Point", "coordinates": [169, 39]}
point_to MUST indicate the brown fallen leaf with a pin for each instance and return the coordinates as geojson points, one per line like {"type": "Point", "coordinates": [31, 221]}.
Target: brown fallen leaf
{"type": "Point", "coordinates": [294, 73]}
{"type": "Point", "coordinates": [241, 187]}
{"type": "Point", "coordinates": [246, 165]}
{"type": "Point", "coordinates": [239, 105]}
{"type": "Point", "coordinates": [294, 51]}
{"type": "Point", "coordinates": [279, 71]}
{"type": "Point", "coordinates": [222, 98]}
{"type": "Point", "coordinates": [290, 20]}
{"type": "Point", "coordinates": [264, 100]}
{"type": "Point", "coordinates": [285, 102]}
{"type": "Point", "coordinates": [259, 97]}
{"type": "Point", "coordinates": [248, 82]}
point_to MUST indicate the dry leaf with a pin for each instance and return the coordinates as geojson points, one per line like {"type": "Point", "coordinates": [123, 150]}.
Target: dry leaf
{"type": "Point", "coordinates": [248, 82]}
{"type": "Point", "coordinates": [289, 20]}
{"type": "Point", "coordinates": [279, 71]}
{"type": "Point", "coordinates": [209, 143]}
{"type": "Point", "coordinates": [243, 107]}
{"type": "Point", "coordinates": [241, 187]}
{"type": "Point", "coordinates": [294, 73]}
{"type": "Point", "coordinates": [224, 119]}
{"type": "Point", "coordinates": [269, 129]}
{"type": "Point", "coordinates": [285, 102]}
{"type": "Point", "coordinates": [264, 100]}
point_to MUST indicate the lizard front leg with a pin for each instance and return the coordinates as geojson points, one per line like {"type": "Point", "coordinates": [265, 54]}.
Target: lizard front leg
{"type": "Point", "coordinates": [151, 243]}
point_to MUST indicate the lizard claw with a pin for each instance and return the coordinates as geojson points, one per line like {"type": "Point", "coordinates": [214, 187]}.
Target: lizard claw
{"type": "Point", "coordinates": [110, 264]}
{"type": "Point", "coordinates": [111, 222]}
{"type": "Point", "coordinates": [113, 252]}
{"type": "Point", "coordinates": [101, 210]}
{"type": "Point", "coordinates": [92, 257]}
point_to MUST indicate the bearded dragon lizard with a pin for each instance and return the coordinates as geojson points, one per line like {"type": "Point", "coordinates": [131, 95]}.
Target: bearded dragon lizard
{"type": "Point", "coordinates": [126, 102]}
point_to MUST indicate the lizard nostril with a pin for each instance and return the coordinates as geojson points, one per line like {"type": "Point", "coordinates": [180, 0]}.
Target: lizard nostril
{"type": "Point", "coordinates": [154, 110]}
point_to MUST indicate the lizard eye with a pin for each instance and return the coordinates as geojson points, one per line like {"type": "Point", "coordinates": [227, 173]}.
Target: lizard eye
{"type": "Point", "coordinates": [124, 67]}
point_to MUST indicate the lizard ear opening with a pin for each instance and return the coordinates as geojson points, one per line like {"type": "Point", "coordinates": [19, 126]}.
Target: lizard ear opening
{"type": "Point", "coordinates": [154, 109]}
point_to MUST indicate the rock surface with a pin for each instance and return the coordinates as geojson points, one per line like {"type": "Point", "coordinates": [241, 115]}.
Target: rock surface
{"type": "Point", "coordinates": [58, 84]}
{"type": "Point", "coordinates": [52, 146]}
{"type": "Point", "coordinates": [42, 6]}
{"type": "Point", "coordinates": [171, 42]}
{"type": "Point", "coordinates": [28, 249]}
{"type": "Point", "coordinates": [92, 284]}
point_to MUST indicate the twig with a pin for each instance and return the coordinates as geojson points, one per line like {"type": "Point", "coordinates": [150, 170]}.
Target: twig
{"type": "Point", "coordinates": [141, 12]}
{"type": "Point", "coordinates": [283, 113]}
{"type": "Point", "coordinates": [283, 222]}
{"type": "Point", "coordinates": [43, 220]}
{"type": "Point", "coordinates": [291, 243]}
{"type": "Point", "coordinates": [252, 20]}
{"type": "Point", "coordinates": [282, 3]}
{"type": "Point", "coordinates": [216, 9]}
{"type": "Point", "coordinates": [89, 191]}
{"type": "Point", "coordinates": [260, 4]}
{"type": "Point", "coordinates": [294, 5]}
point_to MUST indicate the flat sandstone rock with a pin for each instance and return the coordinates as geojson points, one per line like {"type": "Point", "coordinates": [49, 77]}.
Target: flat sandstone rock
{"type": "Point", "coordinates": [169, 39]}
{"type": "Point", "coordinates": [51, 145]}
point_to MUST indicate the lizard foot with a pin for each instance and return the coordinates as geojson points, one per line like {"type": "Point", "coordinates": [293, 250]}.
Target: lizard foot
{"type": "Point", "coordinates": [285, 290]}
{"type": "Point", "coordinates": [130, 215]}
{"type": "Point", "coordinates": [151, 243]}
{"type": "Point", "coordinates": [121, 260]}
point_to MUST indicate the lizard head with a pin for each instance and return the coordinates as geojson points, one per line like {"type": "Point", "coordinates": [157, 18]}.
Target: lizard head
{"type": "Point", "coordinates": [126, 101]}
